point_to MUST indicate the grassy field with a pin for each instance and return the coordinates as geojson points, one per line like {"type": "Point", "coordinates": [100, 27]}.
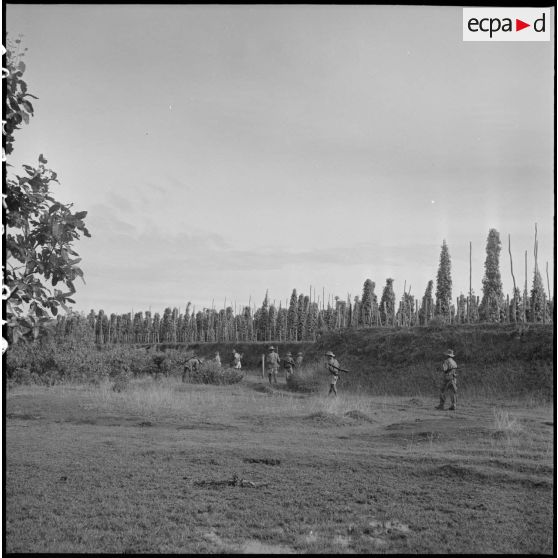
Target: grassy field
{"type": "Point", "coordinates": [182, 468]}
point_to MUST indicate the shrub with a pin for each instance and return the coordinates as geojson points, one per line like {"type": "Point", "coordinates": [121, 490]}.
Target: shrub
{"type": "Point", "coordinates": [16, 359]}
{"type": "Point", "coordinates": [139, 361]}
{"type": "Point", "coordinates": [118, 365]}
{"type": "Point", "coordinates": [21, 376]}
{"type": "Point", "coordinates": [211, 373]}
{"type": "Point", "coordinates": [51, 362]}
{"type": "Point", "coordinates": [160, 365]}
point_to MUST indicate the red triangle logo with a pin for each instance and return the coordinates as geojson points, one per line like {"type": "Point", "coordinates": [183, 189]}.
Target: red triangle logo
{"type": "Point", "coordinates": [519, 25]}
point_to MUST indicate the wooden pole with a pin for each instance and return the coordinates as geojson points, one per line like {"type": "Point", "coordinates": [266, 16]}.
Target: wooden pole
{"type": "Point", "coordinates": [536, 249]}
{"type": "Point", "coordinates": [410, 307]}
{"type": "Point", "coordinates": [470, 275]}
{"type": "Point", "coordinates": [549, 294]}
{"type": "Point", "coordinates": [513, 277]}
{"type": "Point", "coordinates": [525, 292]}
{"type": "Point", "coordinates": [537, 268]}
{"type": "Point", "coordinates": [403, 313]}
{"type": "Point", "coordinates": [548, 283]}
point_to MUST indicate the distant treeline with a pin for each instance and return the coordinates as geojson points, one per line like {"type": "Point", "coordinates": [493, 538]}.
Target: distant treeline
{"type": "Point", "coordinates": [304, 318]}
{"type": "Point", "coordinates": [301, 321]}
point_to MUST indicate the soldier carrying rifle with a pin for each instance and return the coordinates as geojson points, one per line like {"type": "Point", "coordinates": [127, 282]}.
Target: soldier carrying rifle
{"type": "Point", "coordinates": [449, 383]}
{"type": "Point", "coordinates": [272, 364]}
{"type": "Point", "coordinates": [288, 365]}
{"type": "Point", "coordinates": [333, 368]}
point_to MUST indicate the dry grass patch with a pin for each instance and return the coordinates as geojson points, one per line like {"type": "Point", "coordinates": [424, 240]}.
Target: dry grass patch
{"type": "Point", "coordinates": [503, 422]}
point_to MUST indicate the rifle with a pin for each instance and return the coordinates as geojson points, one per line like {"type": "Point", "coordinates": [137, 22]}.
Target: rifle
{"type": "Point", "coordinates": [337, 368]}
{"type": "Point", "coordinates": [452, 369]}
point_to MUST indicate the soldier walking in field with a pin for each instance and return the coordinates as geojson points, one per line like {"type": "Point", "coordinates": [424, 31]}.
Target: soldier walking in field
{"type": "Point", "coordinates": [272, 364]}
{"type": "Point", "coordinates": [449, 383]}
{"type": "Point", "coordinates": [217, 359]}
{"type": "Point", "coordinates": [288, 365]}
{"type": "Point", "coordinates": [333, 368]}
{"type": "Point", "coordinates": [193, 364]}
{"type": "Point", "coordinates": [299, 359]}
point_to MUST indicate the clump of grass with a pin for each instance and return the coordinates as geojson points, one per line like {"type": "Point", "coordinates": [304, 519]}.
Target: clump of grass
{"type": "Point", "coordinates": [505, 424]}
{"type": "Point", "coordinates": [357, 415]}
{"type": "Point", "coordinates": [121, 381]}
{"type": "Point", "coordinates": [121, 374]}
{"type": "Point", "coordinates": [163, 398]}
{"type": "Point", "coordinates": [341, 406]}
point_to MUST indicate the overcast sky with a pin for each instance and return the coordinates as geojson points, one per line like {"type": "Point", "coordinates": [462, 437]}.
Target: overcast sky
{"type": "Point", "coordinates": [225, 150]}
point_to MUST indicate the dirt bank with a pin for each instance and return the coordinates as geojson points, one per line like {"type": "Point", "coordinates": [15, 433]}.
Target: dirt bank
{"type": "Point", "coordinates": [495, 358]}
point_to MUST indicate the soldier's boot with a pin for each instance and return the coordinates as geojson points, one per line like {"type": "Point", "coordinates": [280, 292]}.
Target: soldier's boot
{"type": "Point", "coordinates": [269, 378]}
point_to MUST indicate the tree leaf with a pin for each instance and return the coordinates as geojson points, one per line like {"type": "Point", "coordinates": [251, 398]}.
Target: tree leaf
{"type": "Point", "coordinates": [28, 106]}
{"type": "Point", "coordinates": [54, 207]}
